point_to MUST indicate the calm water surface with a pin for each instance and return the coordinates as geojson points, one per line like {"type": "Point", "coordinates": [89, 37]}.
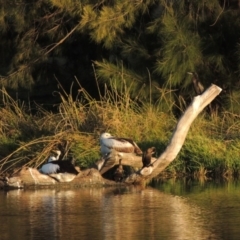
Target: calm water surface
{"type": "Point", "coordinates": [164, 210]}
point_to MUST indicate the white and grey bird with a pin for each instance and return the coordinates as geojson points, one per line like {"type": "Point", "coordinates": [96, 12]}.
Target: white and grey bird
{"type": "Point", "coordinates": [49, 167]}
{"type": "Point", "coordinates": [119, 144]}
{"type": "Point", "coordinates": [54, 165]}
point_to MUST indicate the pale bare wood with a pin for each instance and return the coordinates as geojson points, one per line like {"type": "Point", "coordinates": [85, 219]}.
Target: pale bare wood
{"type": "Point", "coordinates": [32, 178]}
{"type": "Point", "coordinates": [176, 142]}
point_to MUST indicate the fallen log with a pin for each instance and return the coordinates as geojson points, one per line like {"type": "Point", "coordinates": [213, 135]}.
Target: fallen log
{"type": "Point", "coordinates": [29, 178]}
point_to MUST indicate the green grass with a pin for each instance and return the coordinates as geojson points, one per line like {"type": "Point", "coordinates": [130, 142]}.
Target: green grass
{"type": "Point", "coordinates": [212, 143]}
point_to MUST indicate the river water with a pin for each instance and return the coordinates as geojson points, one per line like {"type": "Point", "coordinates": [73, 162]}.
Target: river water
{"type": "Point", "coordinates": [183, 210]}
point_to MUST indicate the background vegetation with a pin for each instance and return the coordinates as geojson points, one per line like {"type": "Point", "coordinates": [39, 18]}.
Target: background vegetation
{"type": "Point", "coordinates": [72, 69]}
{"type": "Point", "coordinates": [26, 139]}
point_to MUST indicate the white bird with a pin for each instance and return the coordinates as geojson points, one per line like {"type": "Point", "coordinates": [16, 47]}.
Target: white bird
{"type": "Point", "coordinates": [58, 166]}
{"type": "Point", "coordinates": [119, 144]}
{"type": "Point", "coordinates": [49, 167]}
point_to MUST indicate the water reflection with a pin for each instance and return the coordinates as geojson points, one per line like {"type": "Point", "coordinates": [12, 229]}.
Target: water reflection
{"type": "Point", "coordinates": [219, 198]}
{"type": "Point", "coordinates": [119, 213]}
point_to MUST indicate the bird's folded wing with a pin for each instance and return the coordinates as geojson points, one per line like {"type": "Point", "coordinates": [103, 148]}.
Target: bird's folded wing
{"type": "Point", "coordinates": [130, 141]}
{"type": "Point", "coordinates": [120, 146]}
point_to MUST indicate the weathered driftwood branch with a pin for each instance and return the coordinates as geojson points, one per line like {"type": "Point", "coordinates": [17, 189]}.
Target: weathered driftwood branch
{"type": "Point", "coordinates": [173, 148]}
{"type": "Point", "coordinates": [198, 104]}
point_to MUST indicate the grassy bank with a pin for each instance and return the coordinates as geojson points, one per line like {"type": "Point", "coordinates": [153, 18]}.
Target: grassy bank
{"type": "Point", "coordinates": [26, 139]}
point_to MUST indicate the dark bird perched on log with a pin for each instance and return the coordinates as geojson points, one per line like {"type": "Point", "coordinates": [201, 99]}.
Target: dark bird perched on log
{"type": "Point", "coordinates": [119, 144]}
{"type": "Point", "coordinates": [119, 173]}
{"type": "Point", "coordinates": [197, 85]}
{"type": "Point", "coordinates": [147, 155]}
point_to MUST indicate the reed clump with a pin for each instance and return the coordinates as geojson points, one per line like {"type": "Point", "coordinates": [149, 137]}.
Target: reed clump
{"type": "Point", "coordinates": [27, 139]}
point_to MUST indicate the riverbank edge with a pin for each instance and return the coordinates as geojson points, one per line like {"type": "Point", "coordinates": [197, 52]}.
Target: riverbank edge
{"type": "Point", "coordinates": [31, 178]}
